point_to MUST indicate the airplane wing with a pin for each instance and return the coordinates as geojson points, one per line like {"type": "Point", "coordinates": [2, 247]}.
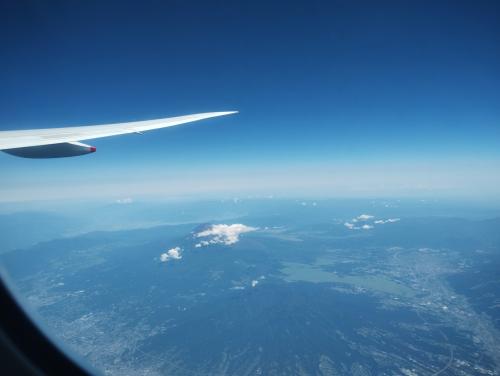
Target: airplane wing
{"type": "Point", "coordinates": [64, 142]}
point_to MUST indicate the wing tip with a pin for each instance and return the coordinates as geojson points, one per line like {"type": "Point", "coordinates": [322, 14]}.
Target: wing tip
{"type": "Point", "coordinates": [206, 115]}
{"type": "Point", "coordinates": [223, 113]}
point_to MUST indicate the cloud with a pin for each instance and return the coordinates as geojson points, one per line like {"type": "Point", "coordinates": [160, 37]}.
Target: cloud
{"type": "Point", "coordinates": [351, 225]}
{"type": "Point", "coordinates": [124, 201]}
{"type": "Point", "coordinates": [304, 203]}
{"type": "Point", "coordinates": [171, 254]}
{"type": "Point", "coordinates": [255, 283]}
{"type": "Point", "coordinates": [364, 217]}
{"type": "Point", "coordinates": [384, 221]}
{"type": "Point", "coordinates": [222, 234]}
{"type": "Point", "coordinates": [237, 288]}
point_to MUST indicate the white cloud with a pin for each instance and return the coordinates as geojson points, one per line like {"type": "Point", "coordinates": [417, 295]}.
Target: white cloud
{"type": "Point", "coordinates": [364, 217]}
{"type": "Point", "coordinates": [127, 200]}
{"type": "Point", "coordinates": [237, 288]}
{"type": "Point", "coordinates": [255, 283]}
{"type": "Point", "coordinates": [367, 226]}
{"type": "Point", "coordinates": [203, 243]}
{"type": "Point", "coordinates": [223, 234]}
{"type": "Point", "coordinates": [171, 254]}
{"type": "Point", "coordinates": [394, 249]}
{"type": "Point", "coordinates": [384, 221]}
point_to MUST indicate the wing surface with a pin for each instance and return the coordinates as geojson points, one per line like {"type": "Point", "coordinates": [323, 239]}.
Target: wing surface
{"type": "Point", "coordinates": [51, 136]}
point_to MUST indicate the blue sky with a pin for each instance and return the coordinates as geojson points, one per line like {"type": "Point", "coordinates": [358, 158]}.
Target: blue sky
{"type": "Point", "coordinates": [337, 98]}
